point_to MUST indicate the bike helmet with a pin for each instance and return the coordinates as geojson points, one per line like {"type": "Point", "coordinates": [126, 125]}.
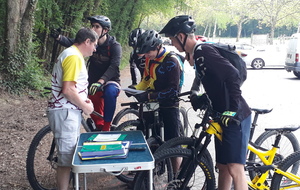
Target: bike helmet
{"type": "Point", "coordinates": [133, 36]}
{"type": "Point", "coordinates": [102, 20]}
{"type": "Point", "coordinates": [148, 41]}
{"type": "Point", "coordinates": [182, 23]}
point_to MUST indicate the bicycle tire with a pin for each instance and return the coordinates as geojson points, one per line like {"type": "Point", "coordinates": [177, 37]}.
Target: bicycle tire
{"type": "Point", "coordinates": [288, 142]}
{"type": "Point", "coordinates": [41, 173]}
{"type": "Point", "coordinates": [125, 115]}
{"type": "Point", "coordinates": [290, 164]}
{"type": "Point", "coordinates": [163, 177]}
{"type": "Point", "coordinates": [183, 142]}
{"type": "Point", "coordinates": [128, 177]}
{"type": "Point", "coordinates": [184, 121]}
{"type": "Point", "coordinates": [130, 125]}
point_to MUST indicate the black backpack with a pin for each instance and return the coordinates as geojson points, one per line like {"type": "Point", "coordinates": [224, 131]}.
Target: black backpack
{"type": "Point", "coordinates": [228, 52]}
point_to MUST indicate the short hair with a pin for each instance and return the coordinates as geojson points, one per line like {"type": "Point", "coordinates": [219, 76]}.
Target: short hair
{"type": "Point", "coordinates": [85, 33]}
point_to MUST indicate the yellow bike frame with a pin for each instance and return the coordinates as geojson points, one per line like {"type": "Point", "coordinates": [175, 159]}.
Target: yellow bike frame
{"type": "Point", "coordinates": [267, 157]}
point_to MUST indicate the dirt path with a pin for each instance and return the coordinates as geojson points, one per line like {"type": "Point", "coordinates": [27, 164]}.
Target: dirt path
{"type": "Point", "coordinates": [21, 118]}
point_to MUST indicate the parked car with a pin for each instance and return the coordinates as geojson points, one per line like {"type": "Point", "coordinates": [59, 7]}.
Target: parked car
{"type": "Point", "coordinates": [167, 41]}
{"type": "Point", "coordinates": [292, 62]}
{"type": "Point", "coordinates": [258, 58]}
{"type": "Point", "coordinates": [201, 38]}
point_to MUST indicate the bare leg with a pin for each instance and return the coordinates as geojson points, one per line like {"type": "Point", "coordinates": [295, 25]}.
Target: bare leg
{"type": "Point", "coordinates": [63, 177]}
{"type": "Point", "coordinates": [176, 164]}
{"type": "Point", "coordinates": [225, 179]}
{"type": "Point", "coordinates": [237, 172]}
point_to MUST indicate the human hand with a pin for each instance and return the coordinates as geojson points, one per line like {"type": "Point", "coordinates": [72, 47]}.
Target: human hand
{"type": "Point", "coordinates": [89, 108]}
{"type": "Point", "coordinates": [95, 87]}
{"type": "Point", "coordinates": [198, 101]}
{"type": "Point", "coordinates": [54, 33]}
{"type": "Point", "coordinates": [142, 97]}
{"type": "Point", "coordinates": [226, 118]}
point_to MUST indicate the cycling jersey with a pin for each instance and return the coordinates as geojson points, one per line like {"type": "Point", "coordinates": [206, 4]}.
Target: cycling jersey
{"type": "Point", "coordinates": [162, 77]}
{"type": "Point", "coordinates": [221, 81]}
{"type": "Point", "coordinates": [70, 66]}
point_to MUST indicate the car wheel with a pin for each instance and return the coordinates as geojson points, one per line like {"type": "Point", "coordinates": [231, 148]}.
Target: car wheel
{"type": "Point", "coordinates": [297, 74]}
{"type": "Point", "coordinates": [258, 63]}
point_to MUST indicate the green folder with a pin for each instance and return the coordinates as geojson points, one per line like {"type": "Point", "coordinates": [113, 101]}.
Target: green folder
{"type": "Point", "coordinates": [93, 148]}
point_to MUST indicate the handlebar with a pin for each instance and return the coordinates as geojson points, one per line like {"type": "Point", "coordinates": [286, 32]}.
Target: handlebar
{"type": "Point", "coordinates": [137, 103]}
{"type": "Point", "coordinates": [185, 93]}
{"type": "Point", "coordinates": [97, 114]}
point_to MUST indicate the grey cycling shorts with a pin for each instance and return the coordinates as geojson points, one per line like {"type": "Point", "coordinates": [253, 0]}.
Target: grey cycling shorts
{"type": "Point", "coordinates": [65, 125]}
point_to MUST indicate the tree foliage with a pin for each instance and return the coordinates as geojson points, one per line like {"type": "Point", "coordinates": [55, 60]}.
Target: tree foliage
{"type": "Point", "coordinates": [28, 53]}
{"type": "Point", "coordinates": [275, 13]}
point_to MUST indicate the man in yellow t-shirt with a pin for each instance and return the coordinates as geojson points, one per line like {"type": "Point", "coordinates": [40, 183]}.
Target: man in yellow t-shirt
{"type": "Point", "coordinates": [69, 100]}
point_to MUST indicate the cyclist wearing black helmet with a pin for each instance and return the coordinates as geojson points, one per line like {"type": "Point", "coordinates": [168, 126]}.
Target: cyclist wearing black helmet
{"type": "Point", "coordinates": [137, 62]}
{"type": "Point", "coordinates": [160, 80]}
{"type": "Point", "coordinates": [103, 70]}
{"type": "Point", "coordinates": [221, 82]}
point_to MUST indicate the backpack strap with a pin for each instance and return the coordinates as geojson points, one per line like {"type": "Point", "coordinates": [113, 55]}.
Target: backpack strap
{"type": "Point", "coordinates": [108, 51]}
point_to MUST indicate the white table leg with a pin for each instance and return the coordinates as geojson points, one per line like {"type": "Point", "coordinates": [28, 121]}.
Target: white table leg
{"type": "Point", "coordinates": [76, 181]}
{"type": "Point", "coordinates": [151, 179]}
{"type": "Point", "coordinates": [84, 179]}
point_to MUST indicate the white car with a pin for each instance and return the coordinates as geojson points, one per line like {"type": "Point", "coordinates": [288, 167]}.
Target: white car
{"type": "Point", "coordinates": [257, 58]}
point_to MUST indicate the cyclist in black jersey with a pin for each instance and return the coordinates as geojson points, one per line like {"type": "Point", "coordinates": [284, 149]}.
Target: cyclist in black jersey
{"type": "Point", "coordinates": [137, 62]}
{"type": "Point", "coordinates": [221, 82]}
{"type": "Point", "coordinates": [103, 70]}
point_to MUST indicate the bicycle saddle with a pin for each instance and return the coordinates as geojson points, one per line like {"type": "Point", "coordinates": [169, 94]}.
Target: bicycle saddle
{"type": "Point", "coordinates": [261, 111]}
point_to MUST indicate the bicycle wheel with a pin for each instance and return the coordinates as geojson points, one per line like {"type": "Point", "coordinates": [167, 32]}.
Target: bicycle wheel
{"type": "Point", "coordinates": [164, 177]}
{"type": "Point", "coordinates": [288, 145]}
{"type": "Point", "coordinates": [130, 125]}
{"type": "Point", "coordinates": [290, 164]}
{"type": "Point", "coordinates": [184, 121]}
{"type": "Point", "coordinates": [183, 142]}
{"type": "Point", "coordinates": [128, 177]}
{"type": "Point", "coordinates": [125, 115]}
{"type": "Point", "coordinates": [41, 162]}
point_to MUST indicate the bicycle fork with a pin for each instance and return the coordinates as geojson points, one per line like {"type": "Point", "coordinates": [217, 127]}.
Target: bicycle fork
{"type": "Point", "coordinates": [189, 167]}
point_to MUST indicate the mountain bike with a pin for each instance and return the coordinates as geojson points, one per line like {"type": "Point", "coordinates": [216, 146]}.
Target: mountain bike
{"type": "Point", "coordinates": [153, 131]}
{"type": "Point", "coordinates": [288, 143]}
{"type": "Point", "coordinates": [190, 176]}
{"type": "Point", "coordinates": [131, 114]}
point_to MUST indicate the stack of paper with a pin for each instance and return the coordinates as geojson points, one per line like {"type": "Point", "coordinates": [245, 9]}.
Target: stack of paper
{"type": "Point", "coordinates": [107, 149]}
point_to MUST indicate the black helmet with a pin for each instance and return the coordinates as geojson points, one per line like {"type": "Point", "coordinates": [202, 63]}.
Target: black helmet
{"type": "Point", "coordinates": [148, 41]}
{"type": "Point", "coordinates": [133, 36]}
{"type": "Point", "coordinates": [104, 21]}
{"type": "Point", "coordinates": [182, 23]}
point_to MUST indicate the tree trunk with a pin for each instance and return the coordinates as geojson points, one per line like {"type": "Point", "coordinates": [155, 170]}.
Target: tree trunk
{"type": "Point", "coordinates": [239, 31]}
{"type": "Point", "coordinates": [215, 29]}
{"type": "Point", "coordinates": [12, 27]}
{"type": "Point", "coordinates": [18, 35]}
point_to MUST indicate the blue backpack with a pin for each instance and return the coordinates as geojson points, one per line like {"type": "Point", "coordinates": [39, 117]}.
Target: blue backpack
{"type": "Point", "coordinates": [181, 62]}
